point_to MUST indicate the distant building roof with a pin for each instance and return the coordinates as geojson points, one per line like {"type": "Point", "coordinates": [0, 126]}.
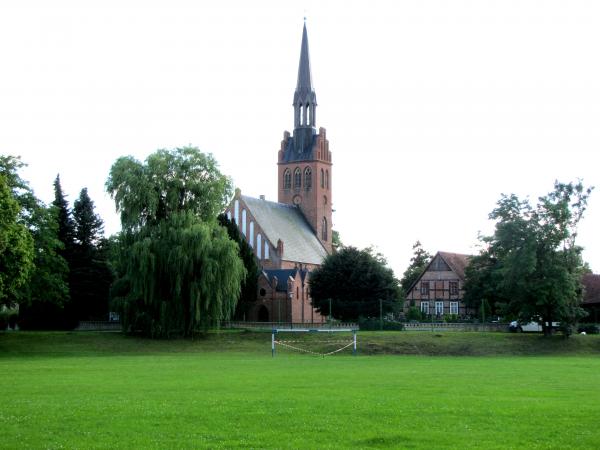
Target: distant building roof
{"type": "Point", "coordinates": [286, 222]}
{"type": "Point", "coordinates": [591, 283]}
{"type": "Point", "coordinates": [282, 277]}
{"type": "Point", "coordinates": [457, 262]}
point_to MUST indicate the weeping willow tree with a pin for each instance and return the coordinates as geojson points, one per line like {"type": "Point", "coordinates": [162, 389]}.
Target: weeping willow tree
{"type": "Point", "coordinates": [178, 269]}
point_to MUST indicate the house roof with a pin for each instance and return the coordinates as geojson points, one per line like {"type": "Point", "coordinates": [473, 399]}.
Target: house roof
{"type": "Point", "coordinates": [282, 277]}
{"type": "Point", "coordinates": [456, 261]}
{"type": "Point", "coordinates": [286, 222]}
{"type": "Point", "coordinates": [591, 283]}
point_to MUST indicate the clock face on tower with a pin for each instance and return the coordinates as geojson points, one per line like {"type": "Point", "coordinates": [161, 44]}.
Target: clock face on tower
{"type": "Point", "coordinates": [297, 199]}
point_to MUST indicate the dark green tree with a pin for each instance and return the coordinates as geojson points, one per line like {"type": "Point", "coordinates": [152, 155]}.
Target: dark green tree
{"type": "Point", "coordinates": [42, 297]}
{"type": "Point", "coordinates": [417, 265]}
{"type": "Point", "coordinates": [178, 269]}
{"type": "Point", "coordinates": [42, 301]}
{"type": "Point", "coordinates": [531, 267]}
{"type": "Point", "coordinates": [66, 230]}
{"type": "Point", "coordinates": [16, 247]}
{"type": "Point", "coordinates": [88, 226]}
{"type": "Point", "coordinates": [249, 285]}
{"type": "Point", "coordinates": [355, 281]}
{"type": "Point", "coordinates": [91, 275]}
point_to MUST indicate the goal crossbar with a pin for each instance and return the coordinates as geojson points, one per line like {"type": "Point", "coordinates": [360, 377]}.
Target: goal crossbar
{"type": "Point", "coordinates": [275, 331]}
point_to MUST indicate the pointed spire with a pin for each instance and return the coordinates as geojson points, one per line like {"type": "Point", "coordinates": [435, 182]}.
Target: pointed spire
{"type": "Point", "coordinates": [304, 75]}
{"type": "Point", "coordinates": [305, 99]}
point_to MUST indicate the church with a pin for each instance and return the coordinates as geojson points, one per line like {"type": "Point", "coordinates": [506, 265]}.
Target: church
{"type": "Point", "coordinates": [291, 237]}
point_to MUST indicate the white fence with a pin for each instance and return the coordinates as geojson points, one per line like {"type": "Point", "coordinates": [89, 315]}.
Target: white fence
{"type": "Point", "coordinates": [443, 326]}
{"type": "Point", "coordinates": [289, 325]}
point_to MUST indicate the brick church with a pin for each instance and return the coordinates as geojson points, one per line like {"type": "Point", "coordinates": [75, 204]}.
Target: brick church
{"type": "Point", "coordinates": [292, 236]}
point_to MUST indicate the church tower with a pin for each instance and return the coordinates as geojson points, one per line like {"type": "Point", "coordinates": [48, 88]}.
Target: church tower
{"type": "Point", "coordinates": [304, 160]}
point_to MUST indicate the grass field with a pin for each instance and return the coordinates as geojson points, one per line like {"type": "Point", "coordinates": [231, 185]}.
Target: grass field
{"type": "Point", "coordinates": [93, 390]}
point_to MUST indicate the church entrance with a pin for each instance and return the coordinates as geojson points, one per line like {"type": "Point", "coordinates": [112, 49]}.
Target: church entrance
{"type": "Point", "coordinates": [263, 314]}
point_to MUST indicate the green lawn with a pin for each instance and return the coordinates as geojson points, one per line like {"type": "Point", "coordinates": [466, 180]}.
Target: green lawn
{"type": "Point", "coordinates": [78, 390]}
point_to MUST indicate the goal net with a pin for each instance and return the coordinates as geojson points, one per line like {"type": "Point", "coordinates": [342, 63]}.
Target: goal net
{"type": "Point", "coordinates": [318, 342]}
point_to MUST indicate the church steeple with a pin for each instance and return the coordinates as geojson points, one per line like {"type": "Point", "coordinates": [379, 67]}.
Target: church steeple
{"type": "Point", "coordinates": [304, 159]}
{"type": "Point", "coordinates": [305, 99]}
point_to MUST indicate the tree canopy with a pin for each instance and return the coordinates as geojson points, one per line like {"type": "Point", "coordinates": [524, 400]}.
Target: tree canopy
{"type": "Point", "coordinates": [417, 265]}
{"type": "Point", "coordinates": [42, 297]}
{"type": "Point", "coordinates": [250, 282]}
{"type": "Point", "coordinates": [178, 269]}
{"type": "Point", "coordinates": [355, 281]}
{"type": "Point", "coordinates": [531, 267]}
{"type": "Point", "coordinates": [16, 247]}
{"type": "Point", "coordinates": [183, 179]}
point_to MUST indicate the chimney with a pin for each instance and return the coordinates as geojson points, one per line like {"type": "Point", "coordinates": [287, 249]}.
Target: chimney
{"type": "Point", "coordinates": [280, 248]}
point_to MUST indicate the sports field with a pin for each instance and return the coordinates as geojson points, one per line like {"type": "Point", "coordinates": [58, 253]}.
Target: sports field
{"type": "Point", "coordinates": [98, 390]}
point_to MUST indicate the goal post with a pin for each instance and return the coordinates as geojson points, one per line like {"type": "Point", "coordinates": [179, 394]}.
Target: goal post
{"type": "Point", "coordinates": [276, 340]}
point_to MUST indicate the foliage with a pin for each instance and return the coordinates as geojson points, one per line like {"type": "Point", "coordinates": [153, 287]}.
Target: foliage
{"type": "Point", "coordinates": [16, 247]}
{"type": "Point", "coordinates": [177, 268]}
{"type": "Point", "coordinates": [66, 228]}
{"type": "Point", "coordinates": [588, 328]}
{"type": "Point", "coordinates": [336, 240]}
{"type": "Point", "coordinates": [531, 268]}
{"type": "Point", "coordinates": [355, 281]}
{"type": "Point", "coordinates": [375, 324]}
{"type": "Point", "coordinates": [183, 179]}
{"type": "Point", "coordinates": [91, 275]}
{"type": "Point", "coordinates": [182, 274]}
{"type": "Point", "coordinates": [43, 300]}
{"type": "Point", "coordinates": [414, 313]}
{"type": "Point", "coordinates": [418, 263]}
{"type": "Point", "coordinates": [249, 284]}
{"type": "Point", "coordinates": [88, 226]}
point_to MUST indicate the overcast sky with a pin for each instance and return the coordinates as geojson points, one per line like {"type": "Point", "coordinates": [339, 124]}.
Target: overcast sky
{"type": "Point", "coordinates": [432, 108]}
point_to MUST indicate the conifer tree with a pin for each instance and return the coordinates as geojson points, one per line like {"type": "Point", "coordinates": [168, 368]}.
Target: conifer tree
{"type": "Point", "coordinates": [91, 275]}
{"type": "Point", "coordinates": [65, 222]}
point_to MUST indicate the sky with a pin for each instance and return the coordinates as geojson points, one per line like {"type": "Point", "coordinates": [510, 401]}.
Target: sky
{"type": "Point", "coordinates": [433, 108]}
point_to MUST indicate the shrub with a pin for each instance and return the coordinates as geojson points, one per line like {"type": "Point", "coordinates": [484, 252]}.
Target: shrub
{"type": "Point", "coordinates": [8, 319]}
{"type": "Point", "coordinates": [413, 314]}
{"type": "Point", "coordinates": [373, 324]}
{"type": "Point", "coordinates": [589, 328]}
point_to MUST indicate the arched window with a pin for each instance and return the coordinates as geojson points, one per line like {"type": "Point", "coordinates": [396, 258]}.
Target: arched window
{"type": "Point", "coordinates": [236, 214]}
{"type": "Point", "coordinates": [251, 236]}
{"type": "Point", "coordinates": [327, 179]}
{"type": "Point", "coordinates": [244, 222]}
{"type": "Point", "coordinates": [287, 179]}
{"type": "Point", "coordinates": [297, 178]}
{"type": "Point", "coordinates": [259, 246]}
{"type": "Point", "coordinates": [322, 178]}
{"type": "Point", "coordinates": [307, 178]}
{"type": "Point", "coordinates": [324, 229]}
{"type": "Point", "coordinates": [266, 249]}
